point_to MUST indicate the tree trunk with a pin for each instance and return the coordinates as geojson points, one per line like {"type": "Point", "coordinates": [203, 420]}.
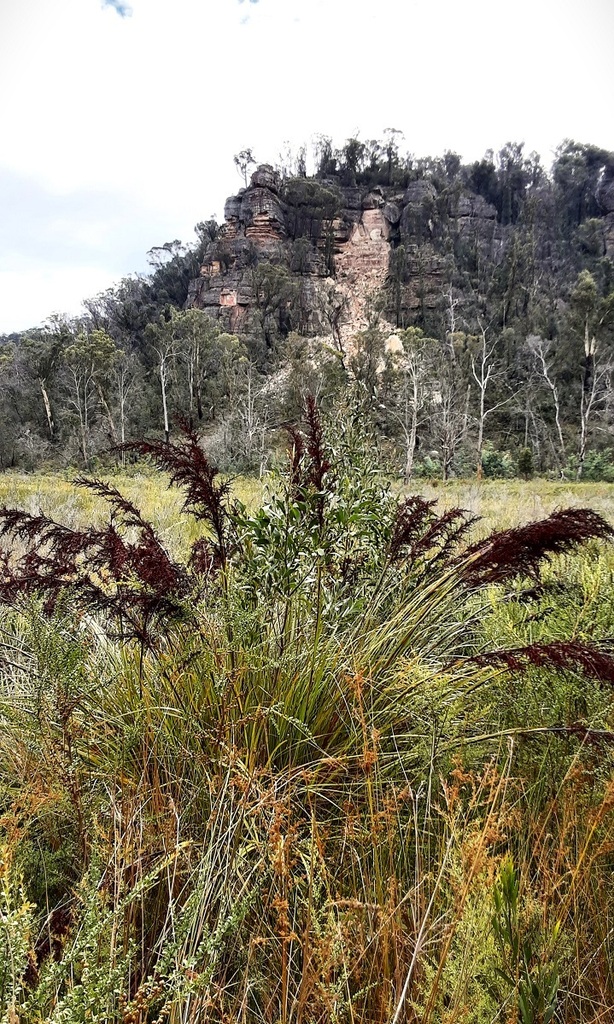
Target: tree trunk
{"type": "Point", "coordinates": [167, 432]}
{"type": "Point", "coordinates": [47, 405]}
{"type": "Point", "coordinates": [199, 398]}
{"type": "Point", "coordinates": [587, 397]}
{"type": "Point", "coordinates": [480, 445]}
{"type": "Point", "coordinates": [411, 435]}
{"type": "Point", "coordinates": [583, 438]}
{"type": "Point", "coordinates": [122, 425]}
{"type": "Point", "coordinates": [191, 385]}
{"type": "Point", "coordinates": [446, 462]}
{"type": "Point", "coordinates": [83, 423]}
{"type": "Point", "coordinates": [105, 406]}
{"type": "Point", "coordinates": [555, 398]}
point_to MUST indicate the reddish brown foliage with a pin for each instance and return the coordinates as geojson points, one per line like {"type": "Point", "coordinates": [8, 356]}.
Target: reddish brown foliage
{"type": "Point", "coordinates": [136, 582]}
{"type": "Point", "coordinates": [520, 551]}
{"type": "Point", "coordinates": [319, 464]}
{"type": "Point", "coordinates": [191, 470]}
{"type": "Point", "coordinates": [595, 661]}
{"type": "Point", "coordinates": [419, 533]}
{"type": "Point", "coordinates": [310, 466]}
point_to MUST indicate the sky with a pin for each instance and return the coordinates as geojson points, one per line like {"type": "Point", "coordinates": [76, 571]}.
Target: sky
{"type": "Point", "coordinates": [119, 121]}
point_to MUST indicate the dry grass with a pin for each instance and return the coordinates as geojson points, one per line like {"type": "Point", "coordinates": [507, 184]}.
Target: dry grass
{"type": "Point", "coordinates": [500, 503]}
{"type": "Point", "coordinates": [505, 503]}
{"type": "Point", "coordinates": [59, 497]}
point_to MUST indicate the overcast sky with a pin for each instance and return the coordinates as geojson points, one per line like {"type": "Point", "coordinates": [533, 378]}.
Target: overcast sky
{"type": "Point", "coordinates": [118, 123]}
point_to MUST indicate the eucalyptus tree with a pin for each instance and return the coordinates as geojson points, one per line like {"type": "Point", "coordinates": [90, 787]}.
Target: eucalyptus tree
{"type": "Point", "coordinates": [592, 319]}
{"type": "Point", "coordinates": [40, 354]}
{"type": "Point", "coordinates": [579, 171]}
{"type": "Point", "coordinates": [451, 398]}
{"type": "Point", "coordinates": [276, 293]}
{"type": "Point", "coordinates": [541, 351]}
{"type": "Point", "coordinates": [410, 364]}
{"type": "Point", "coordinates": [333, 307]}
{"type": "Point", "coordinates": [164, 341]}
{"type": "Point", "coordinates": [489, 375]}
{"type": "Point", "coordinates": [243, 161]}
{"type": "Point", "coordinates": [190, 354]}
{"type": "Point", "coordinates": [11, 395]}
{"type": "Point", "coordinates": [87, 361]}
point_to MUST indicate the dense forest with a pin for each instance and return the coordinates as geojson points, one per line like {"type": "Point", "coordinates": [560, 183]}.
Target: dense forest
{"type": "Point", "coordinates": [485, 344]}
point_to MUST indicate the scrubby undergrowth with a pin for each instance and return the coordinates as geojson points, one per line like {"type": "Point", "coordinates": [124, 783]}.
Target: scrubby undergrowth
{"type": "Point", "coordinates": [342, 763]}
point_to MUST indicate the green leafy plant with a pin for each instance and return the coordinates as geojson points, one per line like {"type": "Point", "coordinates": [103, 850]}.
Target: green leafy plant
{"type": "Point", "coordinates": [531, 971]}
{"type": "Point", "coordinates": [16, 936]}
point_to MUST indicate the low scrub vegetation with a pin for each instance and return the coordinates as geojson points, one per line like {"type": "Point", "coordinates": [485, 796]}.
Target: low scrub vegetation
{"type": "Point", "coordinates": [345, 759]}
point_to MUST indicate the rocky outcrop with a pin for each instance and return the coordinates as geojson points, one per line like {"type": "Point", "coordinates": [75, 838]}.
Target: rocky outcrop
{"type": "Point", "coordinates": [475, 220]}
{"type": "Point", "coordinates": [266, 222]}
{"type": "Point", "coordinates": [256, 212]}
{"type": "Point", "coordinates": [254, 229]}
{"type": "Point", "coordinates": [392, 212]}
{"type": "Point", "coordinates": [605, 196]}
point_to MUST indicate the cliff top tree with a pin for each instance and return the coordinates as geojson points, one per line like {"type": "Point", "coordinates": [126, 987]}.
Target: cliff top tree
{"type": "Point", "coordinates": [243, 161]}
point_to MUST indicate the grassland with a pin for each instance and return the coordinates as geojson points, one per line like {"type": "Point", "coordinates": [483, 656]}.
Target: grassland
{"type": "Point", "coordinates": [500, 503]}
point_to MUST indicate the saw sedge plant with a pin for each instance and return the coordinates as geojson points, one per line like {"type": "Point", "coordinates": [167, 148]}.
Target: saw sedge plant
{"type": "Point", "coordinates": [276, 780]}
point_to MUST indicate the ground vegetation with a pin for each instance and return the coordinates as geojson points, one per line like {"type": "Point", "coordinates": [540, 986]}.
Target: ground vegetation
{"type": "Point", "coordinates": [334, 754]}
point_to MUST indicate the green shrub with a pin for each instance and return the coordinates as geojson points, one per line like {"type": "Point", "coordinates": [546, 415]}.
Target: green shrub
{"type": "Point", "coordinates": [599, 465]}
{"type": "Point", "coordinates": [16, 935]}
{"type": "Point", "coordinates": [496, 464]}
{"type": "Point", "coordinates": [525, 463]}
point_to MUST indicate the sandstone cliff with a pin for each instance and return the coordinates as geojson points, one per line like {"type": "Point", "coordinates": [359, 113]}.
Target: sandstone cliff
{"type": "Point", "coordinates": [345, 255]}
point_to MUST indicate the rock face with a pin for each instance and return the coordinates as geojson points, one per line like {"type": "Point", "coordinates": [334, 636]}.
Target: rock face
{"type": "Point", "coordinates": [256, 212]}
{"type": "Point", "coordinates": [254, 229]}
{"type": "Point", "coordinates": [361, 266]}
{"type": "Point", "coordinates": [475, 219]}
{"type": "Point", "coordinates": [606, 196]}
{"type": "Point", "coordinates": [358, 236]}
